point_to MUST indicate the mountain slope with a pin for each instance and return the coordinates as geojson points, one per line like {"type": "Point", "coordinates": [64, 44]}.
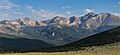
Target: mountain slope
{"type": "Point", "coordinates": [21, 43]}
{"type": "Point", "coordinates": [57, 35]}
{"type": "Point", "coordinates": [93, 21]}
{"type": "Point", "coordinates": [107, 37]}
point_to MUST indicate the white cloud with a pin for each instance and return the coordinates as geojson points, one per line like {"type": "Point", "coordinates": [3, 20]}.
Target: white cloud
{"type": "Point", "coordinates": [67, 14]}
{"type": "Point", "coordinates": [4, 15]}
{"type": "Point", "coordinates": [88, 10]}
{"type": "Point", "coordinates": [5, 4]}
{"type": "Point", "coordinates": [114, 6]}
{"type": "Point", "coordinates": [119, 2]}
{"type": "Point", "coordinates": [18, 13]}
{"type": "Point", "coordinates": [29, 7]}
{"type": "Point", "coordinates": [6, 11]}
{"type": "Point", "coordinates": [9, 10]}
{"type": "Point", "coordinates": [65, 7]}
{"type": "Point", "coordinates": [42, 13]}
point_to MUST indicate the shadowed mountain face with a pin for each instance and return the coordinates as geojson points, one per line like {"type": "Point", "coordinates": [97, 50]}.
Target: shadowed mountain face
{"type": "Point", "coordinates": [107, 37]}
{"type": "Point", "coordinates": [23, 43]}
{"type": "Point", "coordinates": [60, 30]}
{"type": "Point", "coordinates": [18, 43]}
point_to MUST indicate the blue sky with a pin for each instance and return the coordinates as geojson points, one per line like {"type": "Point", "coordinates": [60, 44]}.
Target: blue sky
{"type": "Point", "coordinates": [46, 9]}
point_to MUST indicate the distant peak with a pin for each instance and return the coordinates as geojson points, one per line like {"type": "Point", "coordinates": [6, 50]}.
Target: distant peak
{"type": "Point", "coordinates": [57, 17]}
{"type": "Point", "coordinates": [104, 13]}
{"type": "Point", "coordinates": [24, 19]}
{"type": "Point", "coordinates": [91, 13]}
{"type": "Point", "coordinates": [73, 17]}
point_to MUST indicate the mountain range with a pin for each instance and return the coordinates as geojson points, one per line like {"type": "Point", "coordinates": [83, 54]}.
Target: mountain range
{"type": "Point", "coordinates": [60, 30]}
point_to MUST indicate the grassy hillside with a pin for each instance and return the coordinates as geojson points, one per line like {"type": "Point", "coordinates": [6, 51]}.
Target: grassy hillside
{"type": "Point", "coordinates": [109, 49]}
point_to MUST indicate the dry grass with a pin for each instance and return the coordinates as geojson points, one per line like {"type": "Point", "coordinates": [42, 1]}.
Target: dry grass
{"type": "Point", "coordinates": [113, 49]}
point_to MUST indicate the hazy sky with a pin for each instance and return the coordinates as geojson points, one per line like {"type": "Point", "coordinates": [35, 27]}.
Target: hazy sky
{"type": "Point", "coordinates": [46, 9]}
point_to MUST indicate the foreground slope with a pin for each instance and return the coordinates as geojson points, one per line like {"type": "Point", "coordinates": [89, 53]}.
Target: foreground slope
{"type": "Point", "coordinates": [109, 49]}
{"type": "Point", "coordinates": [19, 44]}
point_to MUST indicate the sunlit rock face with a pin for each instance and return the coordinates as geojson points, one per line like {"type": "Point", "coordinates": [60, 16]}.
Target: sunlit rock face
{"type": "Point", "coordinates": [59, 21]}
{"type": "Point", "coordinates": [93, 21]}
{"type": "Point", "coordinates": [88, 21]}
